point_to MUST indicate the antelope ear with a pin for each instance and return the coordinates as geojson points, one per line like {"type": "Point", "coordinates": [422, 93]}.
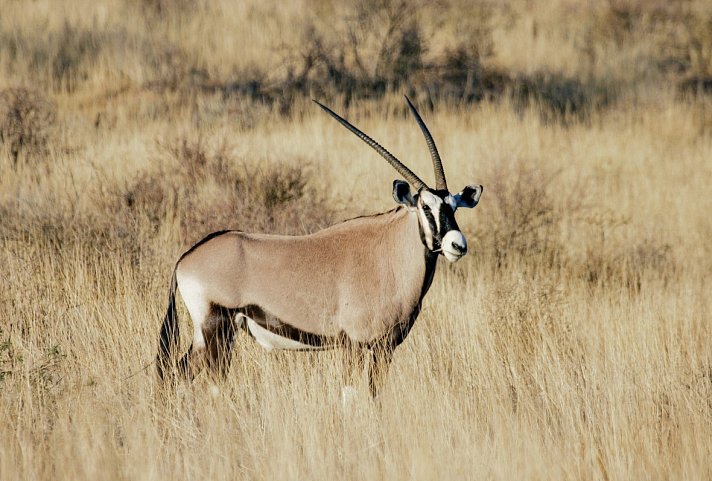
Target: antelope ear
{"type": "Point", "coordinates": [401, 193]}
{"type": "Point", "coordinates": [469, 197]}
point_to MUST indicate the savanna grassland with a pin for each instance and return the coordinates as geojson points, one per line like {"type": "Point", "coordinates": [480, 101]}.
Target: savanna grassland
{"type": "Point", "coordinates": [573, 342]}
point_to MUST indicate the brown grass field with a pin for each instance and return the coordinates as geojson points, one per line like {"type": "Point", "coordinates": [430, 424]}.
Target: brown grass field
{"type": "Point", "coordinates": [574, 342]}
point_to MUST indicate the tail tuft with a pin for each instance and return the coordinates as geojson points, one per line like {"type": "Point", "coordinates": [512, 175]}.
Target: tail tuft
{"type": "Point", "coordinates": [168, 341]}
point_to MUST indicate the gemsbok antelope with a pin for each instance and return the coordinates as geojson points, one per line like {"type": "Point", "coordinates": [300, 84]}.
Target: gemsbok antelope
{"type": "Point", "coordinates": [357, 285]}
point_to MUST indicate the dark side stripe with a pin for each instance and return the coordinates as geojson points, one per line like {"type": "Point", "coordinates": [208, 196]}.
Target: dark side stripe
{"type": "Point", "coordinates": [205, 239]}
{"type": "Point", "coordinates": [280, 328]}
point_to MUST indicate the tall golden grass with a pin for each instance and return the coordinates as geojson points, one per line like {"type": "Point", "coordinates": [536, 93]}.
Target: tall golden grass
{"type": "Point", "coordinates": [574, 342]}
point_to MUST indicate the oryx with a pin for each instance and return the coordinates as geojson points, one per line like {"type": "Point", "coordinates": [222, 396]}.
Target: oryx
{"type": "Point", "coordinates": [358, 284]}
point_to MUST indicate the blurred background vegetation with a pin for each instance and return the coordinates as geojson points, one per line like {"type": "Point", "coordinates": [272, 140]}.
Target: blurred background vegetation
{"type": "Point", "coordinates": [569, 57]}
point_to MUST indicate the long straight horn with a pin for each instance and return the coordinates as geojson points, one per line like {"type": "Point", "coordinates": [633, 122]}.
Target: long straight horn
{"type": "Point", "coordinates": [402, 169]}
{"type": "Point", "coordinates": [440, 183]}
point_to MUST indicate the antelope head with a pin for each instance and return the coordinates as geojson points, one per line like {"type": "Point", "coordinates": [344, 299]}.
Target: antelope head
{"type": "Point", "coordinates": [435, 207]}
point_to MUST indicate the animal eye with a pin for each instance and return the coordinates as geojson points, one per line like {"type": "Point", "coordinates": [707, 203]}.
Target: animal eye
{"type": "Point", "coordinates": [426, 207]}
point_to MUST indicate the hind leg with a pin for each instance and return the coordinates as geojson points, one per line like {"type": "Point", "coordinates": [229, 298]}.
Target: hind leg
{"type": "Point", "coordinates": [193, 362]}
{"type": "Point", "coordinates": [219, 333]}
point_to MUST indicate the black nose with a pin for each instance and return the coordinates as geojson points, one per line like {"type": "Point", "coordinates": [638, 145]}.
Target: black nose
{"type": "Point", "coordinates": [460, 249]}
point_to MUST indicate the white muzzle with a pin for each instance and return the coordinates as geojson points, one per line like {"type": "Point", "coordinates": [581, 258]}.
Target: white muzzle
{"type": "Point", "coordinates": [454, 245]}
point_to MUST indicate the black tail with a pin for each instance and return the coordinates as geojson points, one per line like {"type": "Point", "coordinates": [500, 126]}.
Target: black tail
{"type": "Point", "coordinates": [168, 342]}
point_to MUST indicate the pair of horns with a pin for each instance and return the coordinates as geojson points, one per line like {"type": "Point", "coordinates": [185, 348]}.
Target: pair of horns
{"type": "Point", "coordinates": [412, 179]}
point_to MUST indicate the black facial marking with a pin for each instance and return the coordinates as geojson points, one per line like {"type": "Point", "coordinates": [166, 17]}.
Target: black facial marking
{"type": "Point", "coordinates": [433, 228]}
{"type": "Point", "coordinates": [443, 219]}
{"type": "Point", "coordinates": [447, 219]}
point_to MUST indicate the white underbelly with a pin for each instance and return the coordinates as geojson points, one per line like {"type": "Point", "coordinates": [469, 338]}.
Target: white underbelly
{"type": "Point", "coordinates": [270, 340]}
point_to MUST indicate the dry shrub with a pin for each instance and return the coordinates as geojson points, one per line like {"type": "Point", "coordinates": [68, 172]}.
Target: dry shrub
{"type": "Point", "coordinates": [165, 8]}
{"type": "Point", "coordinates": [73, 52]}
{"type": "Point", "coordinates": [27, 122]}
{"type": "Point", "coordinates": [261, 196]}
{"type": "Point", "coordinates": [526, 222]}
{"type": "Point", "coordinates": [207, 189]}
{"type": "Point", "coordinates": [170, 67]}
{"type": "Point", "coordinates": [145, 195]}
{"type": "Point", "coordinates": [379, 45]}
{"type": "Point", "coordinates": [195, 159]}
{"type": "Point", "coordinates": [612, 262]}
{"type": "Point", "coordinates": [696, 52]}
{"type": "Point", "coordinates": [62, 59]}
{"type": "Point", "coordinates": [700, 44]}
{"type": "Point", "coordinates": [622, 20]}
{"type": "Point", "coordinates": [264, 198]}
{"type": "Point", "coordinates": [648, 256]}
{"type": "Point", "coordinates": [560, 98]}
{"type": "Point", "coordinates": [463, 77]}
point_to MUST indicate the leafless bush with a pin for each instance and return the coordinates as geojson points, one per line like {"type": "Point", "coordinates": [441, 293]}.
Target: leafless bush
{"type": "Point", "coordinates": [696, 52]}
{"type": "Point", "coordinates": [71, 50]}
{"type": "Point", "coordinates": [558, 97]}
{"type": "Point", "coordinates": [527, 227]}
{"type": "Point", "coordinates": [146, 194]}
{"type": "Point", "coordinates": [208, 189]}
{"type": "Point", "coordinates": [195, 159]}
{"type": "Point", "coordinates": [279, 187]}
{"type": "Point", "coordinates": [164, 8]}
{"type": "Point", "coordinates": [27, 122]}
{"type": "Point", "coordinates": [62, 58]}
{"type": "Point", "coordinates": [462, 76]}
{"type": "Point", "coordinates": [526, 220]}
{"type": "Point", "coordinates": [700, 44]}
{"type": "Point", "coordinates": [612, 262]}
{"type": "Point", "coordinates": [381, 46]}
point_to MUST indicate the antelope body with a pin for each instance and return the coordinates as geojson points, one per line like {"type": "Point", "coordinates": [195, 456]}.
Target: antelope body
{"type": "Point", "coordinates": [358, 284]}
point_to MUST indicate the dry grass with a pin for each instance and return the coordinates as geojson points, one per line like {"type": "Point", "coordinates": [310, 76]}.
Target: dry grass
{"type": "Point", "coordinates": [573, 343]}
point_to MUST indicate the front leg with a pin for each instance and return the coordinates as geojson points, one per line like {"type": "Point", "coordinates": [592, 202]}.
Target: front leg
{"type": "Point", "coordinates": [354, 360]}
{"type": "Point", "coordinates": [381, 357]}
